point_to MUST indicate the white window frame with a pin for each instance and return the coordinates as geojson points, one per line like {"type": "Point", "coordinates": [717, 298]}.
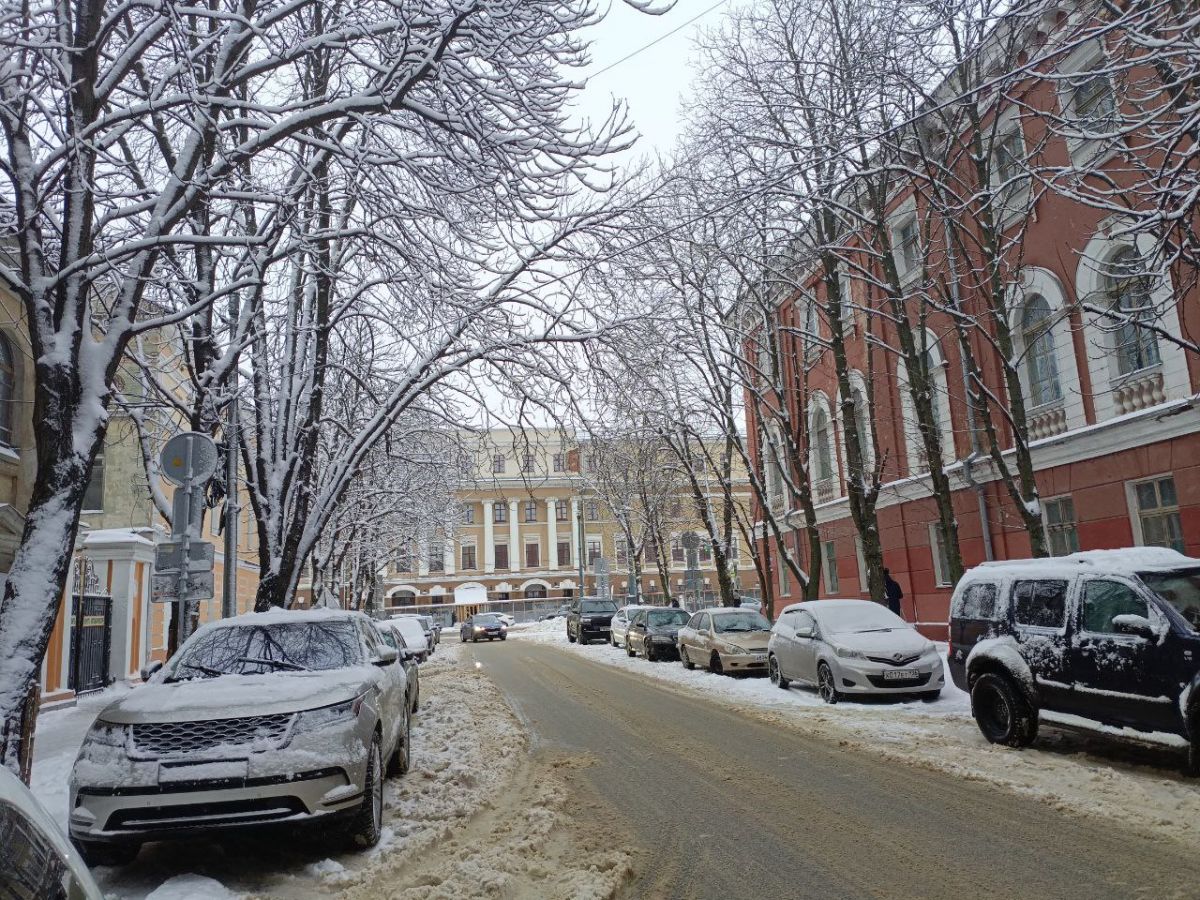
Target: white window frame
{"type": "Point", "coordinates": [829, 566]}
{"type": "Point", "coordinates": [1012, 203]}
{"type": "Point", "coordinates": [941, 567]}
{"type": "Point", "coordinates": [1135, 512]}
{"type": "Point", "coordinates": [905, 215]}
{"type": "Point", "coordinates": [1085, 152]}
{"type": "Point", "coordinates": [1046, 501]}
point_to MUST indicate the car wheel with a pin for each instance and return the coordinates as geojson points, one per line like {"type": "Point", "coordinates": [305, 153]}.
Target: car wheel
{"type": "Point", "coordinates": [685, 659]}
{"type": "Point", "coordinates": [826, 686]}
{"type": "Point", "coordinates": [1002, 712]}
{"type": "Point", "coordinates": [504, 637]}
{"type": "Point", "coordinates": [1191, 768]}
{"type": "Point", "coordinates": [401, 758]}
{"type": "Point", "coordinates": [629, 651]}
{"type": "Point", "coordinates": [367, 824]}
{"type": "Point", "coordinates": [648, 651]}
{"type": "Point", "coordinates": [931, 696]}
{"type": "Point", "coordinates": [416, 700]}
{"type": "Point", "coordinates": [777, 678]}
{"type": "Point", "coordinates": [715, 665]}
{"type": "Point", "coordinates": [105, 853]}
{"type": "Point", "coordinates": [570, 637]}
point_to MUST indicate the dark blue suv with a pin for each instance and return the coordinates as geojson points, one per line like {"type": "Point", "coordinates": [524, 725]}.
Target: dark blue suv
{"type": "Point", "coordinates": [1110, 635]}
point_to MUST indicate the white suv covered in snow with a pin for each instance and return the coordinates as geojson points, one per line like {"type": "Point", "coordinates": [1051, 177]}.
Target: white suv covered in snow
{"type": "Point", "coordinates": [262, 718]}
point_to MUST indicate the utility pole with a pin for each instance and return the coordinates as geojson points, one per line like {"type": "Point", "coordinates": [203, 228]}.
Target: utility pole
{"type": "Point", "coordinates": [229, 605]}
{"type": "Point", "coordinates": [579, 532]}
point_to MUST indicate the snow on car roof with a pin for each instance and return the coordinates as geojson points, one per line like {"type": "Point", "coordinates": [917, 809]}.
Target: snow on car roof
{"type": "Point", "coordinates": [1126, 560]}
{"type": "Point", "coordinates": [827, 604]}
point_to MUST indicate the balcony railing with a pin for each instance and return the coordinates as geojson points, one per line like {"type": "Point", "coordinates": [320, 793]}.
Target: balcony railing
{"type": "Point", "coordinates": [1047, 420]}
{"type": "Point", "coordinates": [1139, 390]}
{"type": "Point", "coordinates": [825, 490]}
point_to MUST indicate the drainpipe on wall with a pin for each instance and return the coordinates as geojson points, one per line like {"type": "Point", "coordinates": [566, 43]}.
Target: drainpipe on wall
{"type": "Point", "coordinates": [968, 463]}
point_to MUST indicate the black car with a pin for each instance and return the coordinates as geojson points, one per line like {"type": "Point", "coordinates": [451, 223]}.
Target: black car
{"type": "Point", "coordinates": [589, 618]}
{"type": "Point", "coordinates": [652, 632]}
{"type": "Point", "coordinates": [1109, 635]}
{"type": "Point", "coordinates": [483, 626]}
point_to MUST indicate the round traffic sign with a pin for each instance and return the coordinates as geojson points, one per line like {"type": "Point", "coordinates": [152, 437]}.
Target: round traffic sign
{"type": "Point", "coordinates": [192, 451]}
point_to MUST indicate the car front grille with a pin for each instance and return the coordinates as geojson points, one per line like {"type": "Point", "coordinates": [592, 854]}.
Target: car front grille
{"type": "Point", "coordinates": [892, 661]}
{"type": "Point", "coordinates": [158, 739]}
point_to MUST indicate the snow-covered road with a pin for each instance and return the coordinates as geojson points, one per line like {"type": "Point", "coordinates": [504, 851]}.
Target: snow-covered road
{"type": "Point", "coordinates": [1133, 778]}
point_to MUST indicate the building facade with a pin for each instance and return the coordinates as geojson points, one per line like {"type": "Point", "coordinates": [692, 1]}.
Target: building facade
{"type": "Point", "coordinates": [1113, 426]}
{"type": "Point", "coordinates": [530, 528]}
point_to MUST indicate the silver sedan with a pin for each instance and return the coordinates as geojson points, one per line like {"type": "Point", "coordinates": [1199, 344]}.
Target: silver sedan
{"type": "Point", "coordinates": [845, 647]}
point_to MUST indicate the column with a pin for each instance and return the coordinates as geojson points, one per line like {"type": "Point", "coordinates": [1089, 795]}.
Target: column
{"type": "Point", "coordinates": [576, 540]}
{"type": "Point", "coordinates": [423, 556]}
{"type": "Point", "coordinates": [552, 533]}
{"type": "Point", "coordinates": [448, 552]}
{"type": "Point", "coordinates": [489, 543]}
{"type": "Point", "coordinates": [514, 538]}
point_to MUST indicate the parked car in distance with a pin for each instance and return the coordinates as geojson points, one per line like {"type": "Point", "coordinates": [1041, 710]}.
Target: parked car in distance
{"type": "Point", "coordinates": [653, 632]}
{"type": "Point", "coordinates": [725, 639]}
{"type": "Point", "coordinates": [483, 627]}
{"type": "Point", "coordinates": [1109, 635]}
{"type": "Point", "coordinates": [557, 614]}
{"type": "Point", "coordinates": [278, 717]}
{"type": "Point", "coordinates": [508, 620]}
{"type": "Point", "coordinates": [620, 624]}
{"type": "Point", "coordinates": [38, 861]}
{"type": "Point", "coordinates": [411, 663]}
{"type": "Point", "coordinates": [414, 635]}
{"type": "Point", "coordinates": [844, 647]}
{"type": "Point", "coordinates": [589, 618]}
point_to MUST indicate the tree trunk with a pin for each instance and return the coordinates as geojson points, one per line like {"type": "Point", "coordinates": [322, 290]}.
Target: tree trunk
{"type": "Point", "coordinates": [36, 582]}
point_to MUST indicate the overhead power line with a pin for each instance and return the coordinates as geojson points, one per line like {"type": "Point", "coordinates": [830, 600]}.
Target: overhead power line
{"type": "Point", "coordinates": [658, 40]}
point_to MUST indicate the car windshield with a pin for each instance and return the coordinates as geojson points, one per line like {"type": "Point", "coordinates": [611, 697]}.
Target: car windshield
{"type": "Point", "coordinates": [281, 647]}
{"type": "Point", "coordinates": [667, 617]}
{"type": "Point", "coordinates": [857, 618]}
{"type": "Point", "coordinates": [1180, 588]}
{"type": "Point", "coordinates": [743, 620]}
{"type": "Point", "coordinates": [598, 606]}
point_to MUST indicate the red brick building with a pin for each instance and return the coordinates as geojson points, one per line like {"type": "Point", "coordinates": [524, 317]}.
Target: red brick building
{"type": "Point", "coordinates": [1113, 420]}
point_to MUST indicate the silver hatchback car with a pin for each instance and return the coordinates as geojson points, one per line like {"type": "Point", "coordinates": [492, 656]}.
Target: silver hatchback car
{"type": "Point", "coordinates": [278, 717]}
{"type": "Point", "coordinates": [846, 647]}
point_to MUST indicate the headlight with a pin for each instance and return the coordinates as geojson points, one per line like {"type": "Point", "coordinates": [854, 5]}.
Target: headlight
{"type": "Point", "coordinates": [586, 621]}
{"type": "Point", "coordinates": [930, 647]}
{"type": "Point", "coordinates": [734, 649]}
{"type": "Point", "coordinates": [337, 714]}
{"type": "Point", "coordinates": [107, 734]}
{"type": "Point", "coordinates": [479, 628]}
{"type": "Point", "coordinates": [847, 653]}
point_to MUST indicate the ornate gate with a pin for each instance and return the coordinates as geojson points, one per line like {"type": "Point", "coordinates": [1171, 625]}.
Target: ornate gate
{"type": "Point", "coordinates": [91, 632]}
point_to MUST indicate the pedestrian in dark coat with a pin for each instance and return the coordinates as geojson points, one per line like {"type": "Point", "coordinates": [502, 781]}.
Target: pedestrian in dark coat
{"type": "Point", "coordinates": [893, 593]}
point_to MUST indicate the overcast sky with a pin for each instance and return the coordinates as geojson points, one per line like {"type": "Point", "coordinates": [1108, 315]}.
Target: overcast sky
{"type": "Point", "coordinates": [653, 81]}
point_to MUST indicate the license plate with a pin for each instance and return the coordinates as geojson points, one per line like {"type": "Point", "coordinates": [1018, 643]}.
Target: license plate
{"type": "Point", "coordinates": [899, 674]}
{"type": "Point", "coordinates": [206, 771]}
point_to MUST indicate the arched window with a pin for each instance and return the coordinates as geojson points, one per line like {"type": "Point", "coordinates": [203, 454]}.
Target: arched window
{"type": "Point", "coordinates": [1135, 345]}
{"type": "Point", "coordinates": [822, 457]}
{"type": "Point", "coordinates": [939, 402]}
{"type": "Point", "coordinates": [862, 424]}
{"type": "Point", "coordinates": [1041, 366]}
{"type": "Point", "coordinates": [8, 391]}
{"type": "Point", "coordinates": [535, 592]}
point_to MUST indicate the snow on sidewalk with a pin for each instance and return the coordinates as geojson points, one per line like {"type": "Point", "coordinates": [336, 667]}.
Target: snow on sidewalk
{"type": "Point", "coordinates": [1132, 779]}
{"type": "Point", "coordinates": [466, 744]}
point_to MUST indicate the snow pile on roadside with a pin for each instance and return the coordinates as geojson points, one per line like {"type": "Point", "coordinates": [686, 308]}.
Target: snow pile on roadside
{"type": "Point", "coordinates": [545, 631]}
{"type": "Point", "coordinates": [522, 844]}
{"type": "Point", "coordinates": [191, 887]}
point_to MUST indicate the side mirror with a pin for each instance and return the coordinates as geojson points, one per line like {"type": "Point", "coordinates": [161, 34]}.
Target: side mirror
{"type": "Point", "coordinates": [805, 632]}
{"type": "Point", "coordinates": [1133, 624]}
{"type": "Point", "coordinates": [386, 657]}
{"type": "Point", "coordinates": [148, 671]}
